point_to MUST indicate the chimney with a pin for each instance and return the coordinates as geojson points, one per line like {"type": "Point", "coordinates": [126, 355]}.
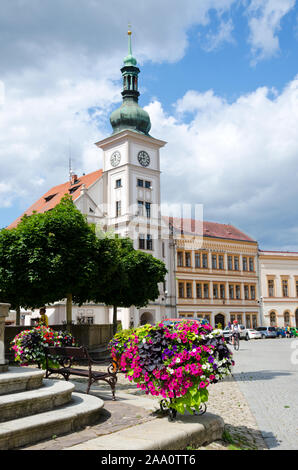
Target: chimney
{"type": "Point", "coordinates": [74, 178]}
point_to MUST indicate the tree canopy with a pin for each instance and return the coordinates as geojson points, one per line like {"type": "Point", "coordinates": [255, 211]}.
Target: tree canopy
{"type": "Point", "coordinates": [57, 255]}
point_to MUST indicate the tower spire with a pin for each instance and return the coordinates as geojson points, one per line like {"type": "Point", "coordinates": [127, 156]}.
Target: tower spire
{"type": "Point", "coordinates": [129, 39]}
{"type": "Point", "coordinates": [130, 115]}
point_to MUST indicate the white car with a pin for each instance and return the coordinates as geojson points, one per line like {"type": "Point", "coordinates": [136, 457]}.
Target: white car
{"type": "Point", "coordinates": [242, 330]}
{"type": "Point", "coordinates": [254, 334]}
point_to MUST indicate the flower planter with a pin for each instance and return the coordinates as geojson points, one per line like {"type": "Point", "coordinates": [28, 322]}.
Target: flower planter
{"type": "Point", "coordinates": [176, 364]}
{"type": "Point", "coordinates": [29, 345]}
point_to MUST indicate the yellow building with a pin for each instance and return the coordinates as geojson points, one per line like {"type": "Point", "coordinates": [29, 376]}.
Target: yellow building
{"type": "Point", "coordinates": [216, 273]}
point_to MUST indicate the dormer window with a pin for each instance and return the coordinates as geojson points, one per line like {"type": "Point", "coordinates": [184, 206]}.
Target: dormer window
{"type": "Point", "coordinates": [48, 198]}
{"type": "Point", "coordinates": [72, 190]}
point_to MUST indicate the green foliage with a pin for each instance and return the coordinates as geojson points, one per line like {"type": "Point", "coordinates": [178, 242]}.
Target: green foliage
{"type": "Point", "coordinates": [135, 279]}
{"type": "Point", "coordinates": [51, 255]}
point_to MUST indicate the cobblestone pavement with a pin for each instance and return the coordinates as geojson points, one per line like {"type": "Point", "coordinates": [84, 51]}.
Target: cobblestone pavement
{"type": "Point", "coordinates": [267, 375]}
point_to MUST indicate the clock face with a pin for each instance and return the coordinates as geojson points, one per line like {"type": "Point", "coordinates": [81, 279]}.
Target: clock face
{"type": "Point", "coordinates": [143, 158]}
{"type": "Point", "coordinates": [115, 158]}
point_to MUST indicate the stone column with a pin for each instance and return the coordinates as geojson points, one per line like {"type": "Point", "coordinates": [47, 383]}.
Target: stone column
{"type": "Point", "coordinates": [4, 309]}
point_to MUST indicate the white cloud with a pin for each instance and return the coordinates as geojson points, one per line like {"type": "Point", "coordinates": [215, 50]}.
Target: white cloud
{"type": "Point", "coordinates": [214, 40]}
{"type": "Point", "coordinates": [264, 18]}
{"type": "Point", "coordinates": [239, 159]}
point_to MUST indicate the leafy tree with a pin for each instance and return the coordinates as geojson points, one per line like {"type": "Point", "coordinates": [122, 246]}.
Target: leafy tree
{"type": "Point", "coordinates": [53, 256]}
{"type": "Point", "coordinates": [135, 280]}
{"type": "Point", "coordinates": [57, 255]}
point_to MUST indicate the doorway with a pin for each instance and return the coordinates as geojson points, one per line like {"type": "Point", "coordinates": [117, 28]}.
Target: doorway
{"type": "Point", "coordinates": [219, 318]}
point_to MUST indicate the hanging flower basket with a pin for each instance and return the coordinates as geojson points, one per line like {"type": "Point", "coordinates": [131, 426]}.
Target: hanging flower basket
{"type": "Point", "coordinates": [175, 363]}
{"type": "Point", "coordinates": [29, 345]}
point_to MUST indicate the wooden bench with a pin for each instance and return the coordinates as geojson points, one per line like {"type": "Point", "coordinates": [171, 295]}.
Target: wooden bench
{"type": "Point", "coordinates": [68, 355]}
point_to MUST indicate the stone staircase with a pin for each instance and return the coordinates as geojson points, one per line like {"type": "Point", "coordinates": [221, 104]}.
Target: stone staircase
{"type": "Point", "coordinates": [33, 408]}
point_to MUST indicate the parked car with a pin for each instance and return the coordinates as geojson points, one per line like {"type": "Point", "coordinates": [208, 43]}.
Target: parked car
{"type": "Point", "coordinates": [243, 332]}
{"type": "Point", "coordinates": [254, 334]}
{"type": "Point", "coordinates": [281, 333]}
{"type": "Point", "coordinates": [267, 331]}
{"type": "Point", "coordinates": [174, 321]}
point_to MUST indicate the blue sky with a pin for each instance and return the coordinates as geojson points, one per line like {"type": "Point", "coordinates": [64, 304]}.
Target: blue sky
{"type": "Point", "coordinates": [218, 78]}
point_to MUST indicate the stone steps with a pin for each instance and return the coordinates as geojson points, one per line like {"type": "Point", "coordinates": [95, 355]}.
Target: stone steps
{"type": "Point", "coordinates": [19, 379]}
{"type": "Point", "coordinates": [33, 408]}
{"type": "Point", "coordinates": [83, 410]}
{"type": "Point", "coordinates": [53, 393]}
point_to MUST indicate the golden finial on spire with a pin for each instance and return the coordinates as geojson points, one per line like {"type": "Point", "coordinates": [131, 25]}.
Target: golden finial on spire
{"type": "Point", "coordinates": [129, 29]}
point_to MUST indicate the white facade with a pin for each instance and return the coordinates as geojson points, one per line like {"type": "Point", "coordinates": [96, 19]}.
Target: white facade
{"type": "Point", "coordinates": [278, 272]}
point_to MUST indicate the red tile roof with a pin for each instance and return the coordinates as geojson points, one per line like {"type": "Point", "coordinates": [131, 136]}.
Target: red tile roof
{"type": "Point", "coordinates": [207, 229]}
{"type": "Point", "coordinates": [52, 197]}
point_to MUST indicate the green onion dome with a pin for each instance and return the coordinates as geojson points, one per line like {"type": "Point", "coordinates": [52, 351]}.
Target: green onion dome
{"type": "Point", "coordinates": [130, 116]}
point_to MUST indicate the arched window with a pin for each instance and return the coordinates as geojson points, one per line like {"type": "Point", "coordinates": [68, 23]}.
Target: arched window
{"type": "Point", "coordinates": [286, 318]}
{"type": "Point", "coordinates": [272, 318]}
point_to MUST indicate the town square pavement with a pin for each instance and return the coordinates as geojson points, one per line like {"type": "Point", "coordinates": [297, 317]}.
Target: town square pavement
{"type": "Point", "coordinates": [267, 374]}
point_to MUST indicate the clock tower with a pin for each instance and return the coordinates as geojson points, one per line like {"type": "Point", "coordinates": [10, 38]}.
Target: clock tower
{"type": "Point", "coordinates": [131, 179]}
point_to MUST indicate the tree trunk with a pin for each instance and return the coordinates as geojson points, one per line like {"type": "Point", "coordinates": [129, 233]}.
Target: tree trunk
{"type": "Point", "coordinates": [68, 311]}
{"type": "Point", "coordinates": [18, 315]}
{"type": "Point", "coordinates": [114, 319]}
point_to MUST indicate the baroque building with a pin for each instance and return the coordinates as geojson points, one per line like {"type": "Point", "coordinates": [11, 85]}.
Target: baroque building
{"type": "Point", "coordinates": [217, 274]}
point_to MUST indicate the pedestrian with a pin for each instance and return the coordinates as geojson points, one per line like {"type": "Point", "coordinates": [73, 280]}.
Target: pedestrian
{"type": "Point", "coordinates": [43, 317]}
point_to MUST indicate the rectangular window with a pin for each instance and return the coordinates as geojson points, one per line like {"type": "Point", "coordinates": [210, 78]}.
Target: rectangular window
{"type": "Point", "coordinates": [252, 292]}
{"type": "Point", "coordinates": [180, 259]}
{"type": "Point", "coordinates": [140, 183]}
{"type": "Point", "coordinates": [215, 291]}
{"type": "Point", "coordinates": [141, 242]}
{"type": "Point", "coordinates": [118, 208]}
{"type": "Point", "coordinates": [118, 183]}
{"type": "Point", "coordinates": [285, 289]}
{"type": "Point", "coordinates": [149, 242]}
{"type": "Point", "coordinates": [231, 291]}
{"type": "Point", "coordinates": [181, 290]}
{"type": "Point", "coordinates": [238, 292]}
{"type": "Point", "coordinates": [148, 209]}
{"type": "Point", "coordinates": [222, 291]}
{"type": "Point", "coordinates": [214, 262]}
{"type": "Point", "coordinates": [230, 263]}
{"type": "Point", "coordinates": [188, 290]}
{"type": "Point", "coordinates": [244, 263]}
{"type": "Point", "coordinates": [251, 264]}
{"type": "Point", "coordinates": [148, 184]}
{"type": "Point", "coordinates": [163, 249]}
{"type": "Point", "coordinates": [296, 288]}
{"type": "Point", "coordinates": [205, 260]}
{"type": "Point", "coordinates": [197, 260]}
{"type": "Point", "coordinates": [270, 288]}
{"type": "Point", "coordinates": [199, 291]}
{"type": "Point", "coordinates": [221, 262]}
{"type": "Point", "coordinates": [236, 263]}
{"type": "Point", "coordinates": [187, 259]}
{"type": "Point", "coordinates": [246, 292]}
{"type": "Point", "coordinates": [206, 291]}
